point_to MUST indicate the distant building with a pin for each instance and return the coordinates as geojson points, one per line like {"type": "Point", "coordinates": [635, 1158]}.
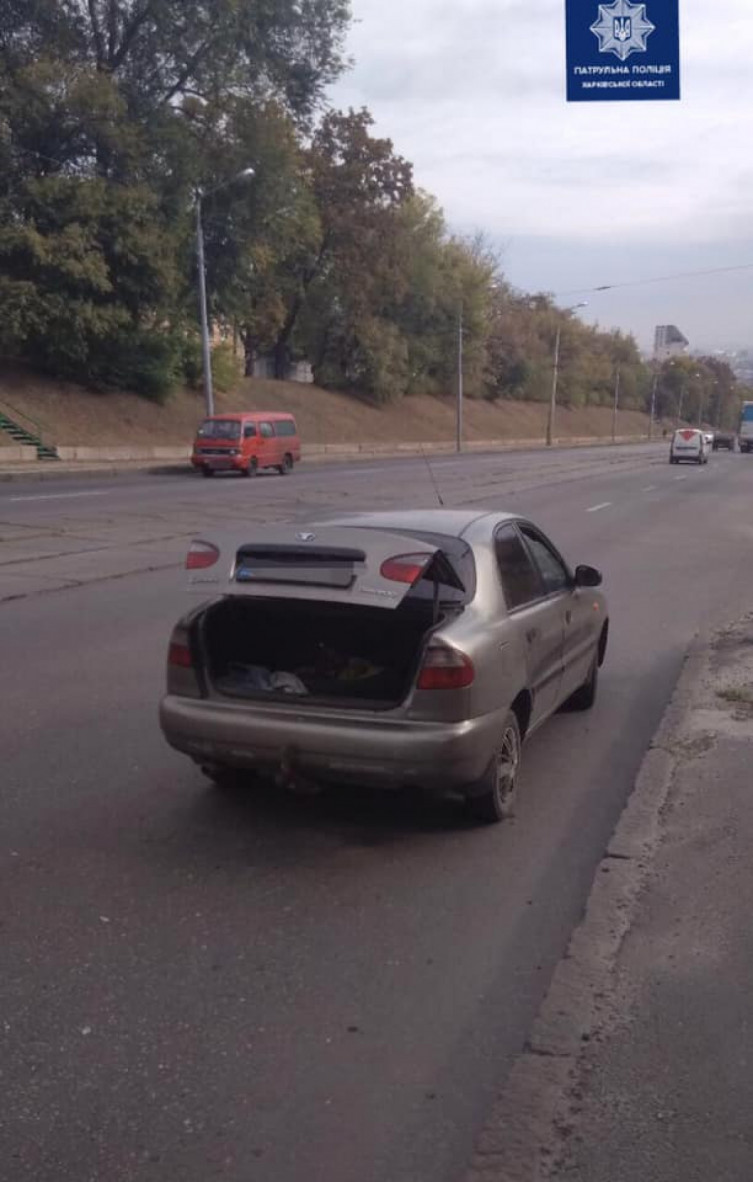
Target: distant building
{"type": "Point", "coordinates": [669, 342]}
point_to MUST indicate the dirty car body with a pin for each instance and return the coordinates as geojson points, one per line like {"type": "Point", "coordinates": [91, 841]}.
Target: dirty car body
{"type": "Point", "coordinates": [409, 648]}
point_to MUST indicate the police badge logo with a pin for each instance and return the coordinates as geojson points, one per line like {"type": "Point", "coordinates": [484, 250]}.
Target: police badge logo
{"type": "Point", "coordinates": [622, 29]}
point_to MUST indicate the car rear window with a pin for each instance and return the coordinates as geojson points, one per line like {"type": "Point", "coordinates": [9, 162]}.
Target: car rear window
{"type": "Point", "coordinates": [285, 427]}
{"type": "Point", "coordinates": [520, 579]}
{"type": "Point", "coordinates": [460, 588]}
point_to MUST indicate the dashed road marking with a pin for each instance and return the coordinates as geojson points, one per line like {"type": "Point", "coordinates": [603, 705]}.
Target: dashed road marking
{"type": "Point", "coordinates": [598, 508]}
{"type": "Point", "coordinates": [649, 488]}
{"type": "Point", "coordinates": [60, 496]}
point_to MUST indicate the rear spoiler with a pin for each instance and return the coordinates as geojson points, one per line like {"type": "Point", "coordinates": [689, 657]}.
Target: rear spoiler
{"type": "Point", "coordinates": [368, 567]}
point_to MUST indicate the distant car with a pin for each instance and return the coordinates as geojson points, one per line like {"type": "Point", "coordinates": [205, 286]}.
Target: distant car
{"type": "Point", "coordinates": [689, 444]}
{"type": "Point", "coordinates": [395, 649]}
{"type": "Point", "coordinates": [724, 439]}
{"type": "Point", "coordinates": [247, 442]}
{"type": "Point", "coordinates": [709, 437]}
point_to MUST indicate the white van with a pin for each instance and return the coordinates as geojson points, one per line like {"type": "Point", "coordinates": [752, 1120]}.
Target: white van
{"type": "Point", "coordinates": [689, 443]}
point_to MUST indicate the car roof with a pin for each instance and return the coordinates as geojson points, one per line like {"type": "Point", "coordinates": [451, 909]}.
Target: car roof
{"type": "Point", "coordinates": [450, 522]}
{"type": "Point", "coordinates": [237, 415]}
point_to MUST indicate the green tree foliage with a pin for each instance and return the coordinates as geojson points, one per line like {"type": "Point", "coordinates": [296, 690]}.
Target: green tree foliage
{"type": "Point", "coordinates": [103, 106]}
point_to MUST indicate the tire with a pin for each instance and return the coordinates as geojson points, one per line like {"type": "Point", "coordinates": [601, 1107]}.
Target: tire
{"type": "Point", "coordinates": [672, 460]}
{"type": "Point", "coordinates": [585, 697]}
{"type": "Point", "coordinates": [286, 467]}
{"type": "Point", "coordinates": [224, 778]}
{"type": "Point", "coordinates": [251, 469]}
{"type": "Point", "coordinates": [492, 799]}
{"type": "Point", "coordinates": [207, 472]}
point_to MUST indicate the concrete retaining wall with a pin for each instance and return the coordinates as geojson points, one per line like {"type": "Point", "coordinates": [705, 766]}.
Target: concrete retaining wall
{"type": "Point", "coordinates": [97, 455]}
{"type": "Point", "coordinates": [346, 451]}
{"type": "Point", "coordinates": [20, 454]}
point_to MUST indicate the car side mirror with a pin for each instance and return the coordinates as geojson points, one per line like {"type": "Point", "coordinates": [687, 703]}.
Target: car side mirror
{"type": "Point", "coordinates": [588, 576]}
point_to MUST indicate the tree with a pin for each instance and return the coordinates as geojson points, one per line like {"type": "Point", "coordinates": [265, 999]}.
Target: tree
{"type": "Point", "coordinates": [86, 283]}
{"type": "Point", "coordinates": [160, 51]}
{"type": "Point", "coordinates": [357, 183]}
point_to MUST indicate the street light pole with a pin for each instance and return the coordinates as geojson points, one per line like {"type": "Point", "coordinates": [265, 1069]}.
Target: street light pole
{"type": "Point", "coordinates": [459, 411]}
{"type": "Point", "coordinates": [616, 404]}
{"type": "Point", "coordinates": [555, 378]}
{"type": "Point", "coordinates": [652, 416]}
{"type": "Point", "coordinates": [206, 348]}
{"type": "Point", "coordinates": [206, 345]}
{"type": "Point", "coordinates": [555, 381]}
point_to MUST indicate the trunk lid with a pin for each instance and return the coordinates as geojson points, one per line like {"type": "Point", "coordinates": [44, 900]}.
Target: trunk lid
{"type": "Point", "coordinates": [332, 564]}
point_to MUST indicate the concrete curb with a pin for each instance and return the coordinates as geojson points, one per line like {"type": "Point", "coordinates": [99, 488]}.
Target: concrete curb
{"type": "Point", "coordinates": [533, 1116]}
{"type": "Point", "coordinates": [81, 471]}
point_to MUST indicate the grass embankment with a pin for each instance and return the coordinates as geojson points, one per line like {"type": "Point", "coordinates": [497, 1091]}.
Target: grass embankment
{"type": "Point", "coordinates": [70, 416]}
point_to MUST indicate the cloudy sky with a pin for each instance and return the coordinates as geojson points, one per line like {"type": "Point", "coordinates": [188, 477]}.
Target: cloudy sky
{"type": "Point", "coordinates": [579, 195]}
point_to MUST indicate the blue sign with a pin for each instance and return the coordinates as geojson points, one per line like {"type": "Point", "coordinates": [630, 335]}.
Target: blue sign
{"type": "Point", "coordinates": [622, 51]}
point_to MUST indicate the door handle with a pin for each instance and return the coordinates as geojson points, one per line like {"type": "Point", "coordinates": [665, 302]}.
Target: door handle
{"type": "Point", "coordinates": [532, 634]}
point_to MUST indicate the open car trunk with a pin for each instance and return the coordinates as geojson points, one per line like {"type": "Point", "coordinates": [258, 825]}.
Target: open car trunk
{"type": "Point", "coordinates": [335, 614]}
{"type": "Point", "coordinates": [315, 651]}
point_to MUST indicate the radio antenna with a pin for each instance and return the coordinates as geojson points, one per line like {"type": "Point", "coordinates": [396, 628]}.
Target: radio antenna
{"type": "Point", "coordinates": [433, 478]}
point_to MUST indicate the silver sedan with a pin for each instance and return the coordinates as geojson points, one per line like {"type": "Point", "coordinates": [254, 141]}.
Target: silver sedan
{"type": "Point", "coordinates": [392, 649]}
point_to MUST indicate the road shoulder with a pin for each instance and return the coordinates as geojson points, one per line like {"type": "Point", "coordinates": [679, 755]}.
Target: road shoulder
{"type": "Point", "coordinates": [642, 1056]}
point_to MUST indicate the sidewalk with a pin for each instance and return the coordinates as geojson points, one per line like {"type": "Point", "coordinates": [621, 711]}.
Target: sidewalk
{"type": "Point", "coordinates": [640, 1065]}
{"type": "Point", "coordinates": [667, 1089]}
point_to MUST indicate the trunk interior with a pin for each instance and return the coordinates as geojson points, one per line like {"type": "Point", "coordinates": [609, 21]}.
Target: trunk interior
{"type": "Point", "coordinates": [309, 651]}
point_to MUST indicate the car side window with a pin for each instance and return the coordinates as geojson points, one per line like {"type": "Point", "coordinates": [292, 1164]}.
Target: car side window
{"type": "Point", "coordinates": [285, 427]}
{"type": "Point", "coordinates": [266, 430]}
{"type": "Point", "coordinates": [249, 431]}
{"type": "Point", "coordinates": [520, 579]}
{"type": "Point", "coordinates": [554, 573]}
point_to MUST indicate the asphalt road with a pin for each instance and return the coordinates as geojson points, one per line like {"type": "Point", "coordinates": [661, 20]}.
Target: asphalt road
{"type": "Point", "coordinates": [280, 989]}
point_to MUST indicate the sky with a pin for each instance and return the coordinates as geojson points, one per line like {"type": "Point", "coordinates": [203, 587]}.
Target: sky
{"type": "Point", "coordinates": [576, 195]}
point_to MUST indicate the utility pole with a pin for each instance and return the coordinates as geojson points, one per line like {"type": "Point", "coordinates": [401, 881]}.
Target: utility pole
{"type": "Point", "coordinates": [556, 376]}
{"type": "Point", "coordinates": [654, 389]}
{"type": "Point", "coordinates": [459, 422]}
{"type": "Point", "coordinates": [616, 403]}
{"type": "Point", "coordinates": [680, 405]}
{"type": "Point", "coordinates": [555, 382]}
{"type": "Point", "coordinates": [206, 347]}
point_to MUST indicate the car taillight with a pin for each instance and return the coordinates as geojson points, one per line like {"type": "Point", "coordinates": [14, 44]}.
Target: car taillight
{"type": "Point", "coordinates": [179, 655]}
{"type": "Point", "coordinates": [445, 668]}
{"type": "Point", "coordinates": [202, 555]}
{"type": "Point", "coordinates": [405, 568]}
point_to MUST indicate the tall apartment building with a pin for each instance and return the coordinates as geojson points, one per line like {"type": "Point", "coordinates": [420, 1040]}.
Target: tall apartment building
{"type": "Point", "coordinates": [669, 342]}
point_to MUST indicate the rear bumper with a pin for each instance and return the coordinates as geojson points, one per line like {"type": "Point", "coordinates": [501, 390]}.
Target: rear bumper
{"type": "Point", "coordinates": [358, 749]}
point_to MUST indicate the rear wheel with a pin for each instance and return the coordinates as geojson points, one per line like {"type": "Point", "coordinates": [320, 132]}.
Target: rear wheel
{"type": "Point", "coordinates": [227, 779]}
{"type": "Point", "coordinates": [286, 467]}
{"type": "Point", "coordinates": [494, 797]}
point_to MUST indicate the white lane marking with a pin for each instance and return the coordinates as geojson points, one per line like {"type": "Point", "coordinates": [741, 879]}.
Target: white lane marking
{"type": "Point", "coordinates": [598, 508]}
{"type": "Point", "coordinates": [681, 478]}
{"type": "Point", "coordinates": [61, 496]}
{"type": "Point", "coordinates": [649, 488]}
